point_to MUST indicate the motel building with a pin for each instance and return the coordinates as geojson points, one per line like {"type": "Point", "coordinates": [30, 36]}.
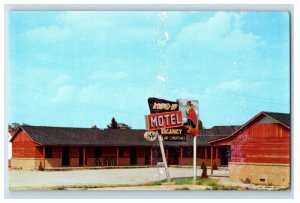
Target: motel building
{"type": "Point", "coordinates": [40, 147]}
{"type": "Point", "coordinates": [260, 150]}
{"type": "Point", "coordinates": [257, 152]}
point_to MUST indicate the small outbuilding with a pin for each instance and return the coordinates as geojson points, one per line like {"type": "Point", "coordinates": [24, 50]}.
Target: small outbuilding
{"type": "Point", "coordinates": [260, 150]}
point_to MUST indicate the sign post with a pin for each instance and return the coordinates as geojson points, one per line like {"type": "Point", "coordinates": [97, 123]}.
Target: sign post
{"type": "Point", "coordinates": [195, 159]}
{"type": "Point", "coordinates": [160, 138]}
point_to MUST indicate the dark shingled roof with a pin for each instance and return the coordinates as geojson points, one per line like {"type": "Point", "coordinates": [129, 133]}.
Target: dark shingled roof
{"type": "Point", "coordinates": [281, 117]}
{"type": "Point", "coordinates": [123, 137]}
{"type": "Point", "coordinates": [220, 130]}
{"type": "Point", "coordinates": [62, 135]}
{"type": "Point", "coordinates": [214, 133]}
{"type": "Point", "coordinates": [114, 137]}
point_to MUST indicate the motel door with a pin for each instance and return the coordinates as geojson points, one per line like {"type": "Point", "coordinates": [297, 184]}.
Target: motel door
{"type": "Point", "coordinates": [80, 156]}
{"type": "Point", "coordinates": [65, 156]}
{"type": "Point", "coordinates": [225, 155]}
{"type": "Point", "coordinates": [147, 156]}
{"type": "Point", "coordinates": [133, 156]}
{"type": "Point", "coordinates": [173, 156]}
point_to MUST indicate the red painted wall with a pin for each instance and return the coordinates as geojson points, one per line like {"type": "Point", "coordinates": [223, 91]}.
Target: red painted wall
{"type": "Point", "coordinates": [109, 152]}
{"type": "Point", "coordinates": [56, 151]}
{"type": "Point", "coordinates": [262, 143]}
{"type": "Point", "coordinates": [126, 152]}
{"type": "Point", "coordinates": [24, 147]}
{"type": "Point", "coordinates": [73, 152]}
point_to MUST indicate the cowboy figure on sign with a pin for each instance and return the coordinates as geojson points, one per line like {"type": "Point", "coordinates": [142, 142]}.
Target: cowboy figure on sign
{"type": "Point", "coordinates": [192, 121]}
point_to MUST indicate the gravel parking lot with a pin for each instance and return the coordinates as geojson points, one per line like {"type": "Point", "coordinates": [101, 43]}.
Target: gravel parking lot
{"type": "Point", "coordinates": [24, 178]}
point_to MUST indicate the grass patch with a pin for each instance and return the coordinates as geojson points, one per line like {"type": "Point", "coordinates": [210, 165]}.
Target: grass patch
{"type": "Point", "coordinates": [222, 187]}
{"type": "Point", "coordinates": [183, 181]}
{"type": "Point", "coordinates": [60, 188]}
{"type": "Point", "coordinates": [38, 188]}
{"type": "Point", "coordinates": [210, 184]}
{"type": "Point", "coordinates": [85, 187]}
{"type": "Point", "coordinates": [183, 188]}
{"type": "Point", "coordinates": [189, 181]}
{"type": "Point", "coordinates": [282, 189]}
{"type": "Point", "coordinates": [154, 183]}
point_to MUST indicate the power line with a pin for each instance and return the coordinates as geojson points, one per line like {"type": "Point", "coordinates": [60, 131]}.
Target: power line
{"type": "Point", "coordinates": [101, 107]}
{"type": "Point", "coordinates": [147, 82]}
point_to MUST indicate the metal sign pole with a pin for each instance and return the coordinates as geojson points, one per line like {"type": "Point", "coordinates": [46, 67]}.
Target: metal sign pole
{"type": "Point", "coordinates": [160, 138]}
{"type": "Point", "coordinates": [195, 159]}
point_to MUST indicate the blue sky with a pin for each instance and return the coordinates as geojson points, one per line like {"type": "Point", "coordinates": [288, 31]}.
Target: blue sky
{"type": "Point", "coordinates": [79, 69]}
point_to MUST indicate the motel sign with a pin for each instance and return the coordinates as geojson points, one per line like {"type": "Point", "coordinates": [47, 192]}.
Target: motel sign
{"type": "Point", "coordinates": [164, 120]}
{"type": "Point", "coordinates": [166, 117]}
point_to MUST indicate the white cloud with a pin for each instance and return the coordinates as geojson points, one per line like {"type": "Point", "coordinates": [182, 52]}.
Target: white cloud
{"type": "Point", "coordinates": [237, 84]}
{"type": "Point", "coordinates": [221, 36]}
{"type": "Point", "coordinates": [93, 93]}
{"type": "Point", "coordinates": [84, 19]}
{"type": "Point", "coordinates": [217, 26]}
{"type": "Point", "coordinates": [91, 31]}
{"type": "Point", "coordinates": [53, 33]}
{"type": "Point", "coordinates": [103, 27]}
{"type": "Point", "coordinates": [161, 78]}
{"type": "Point", "coordinates": [64, 94]}
{"type": "Point", "coordinates": [111, 75]}
{"type": "Point", "coordinates": [60, 80]}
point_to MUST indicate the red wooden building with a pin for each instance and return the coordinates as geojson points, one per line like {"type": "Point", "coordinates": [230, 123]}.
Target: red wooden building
{"type": "Point", "coordinates": [260, 150]}
{"type": "Point", "coordinates": [40, 147]}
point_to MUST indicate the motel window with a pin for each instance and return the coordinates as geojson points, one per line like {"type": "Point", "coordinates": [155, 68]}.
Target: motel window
{"type": "Point", "coordinates": [187, 152]}
{"type": "Point", "coordinates": [98, 152]}
{"type": "Point", "coordinates": [121, 152]}
{"type": "Point", "coordinates": [48, 152]}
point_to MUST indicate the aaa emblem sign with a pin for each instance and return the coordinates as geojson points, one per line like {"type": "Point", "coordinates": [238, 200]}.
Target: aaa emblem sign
{"type": "Point", "coordinates": [150, 135]}
{"type": "Point", "coordinates": [164, 120]}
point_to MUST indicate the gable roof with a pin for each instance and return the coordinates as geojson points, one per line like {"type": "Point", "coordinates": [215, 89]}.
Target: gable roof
{"type": "Point", "coordinates": [45, 135]}
{"type": "Point", "coordinates": [282, 118]}
{"type": "Point", "coordinates": [11, 133]}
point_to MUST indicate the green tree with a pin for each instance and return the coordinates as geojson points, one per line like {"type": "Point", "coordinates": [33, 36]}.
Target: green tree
{"type": "Point", "coordinates": [200, 125]}
{"type": "Point", "coordinates": [94, 126]}
{"type": "Point", "coordinates": [124, 126]}
{"type": "Point", "coordinates": [14, 126]}
{"type": "Point", "coordinates": [113, 124]}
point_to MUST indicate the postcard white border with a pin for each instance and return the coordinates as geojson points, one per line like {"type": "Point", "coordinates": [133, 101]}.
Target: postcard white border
{"type": "Point", "coordinates": [117, 5]}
